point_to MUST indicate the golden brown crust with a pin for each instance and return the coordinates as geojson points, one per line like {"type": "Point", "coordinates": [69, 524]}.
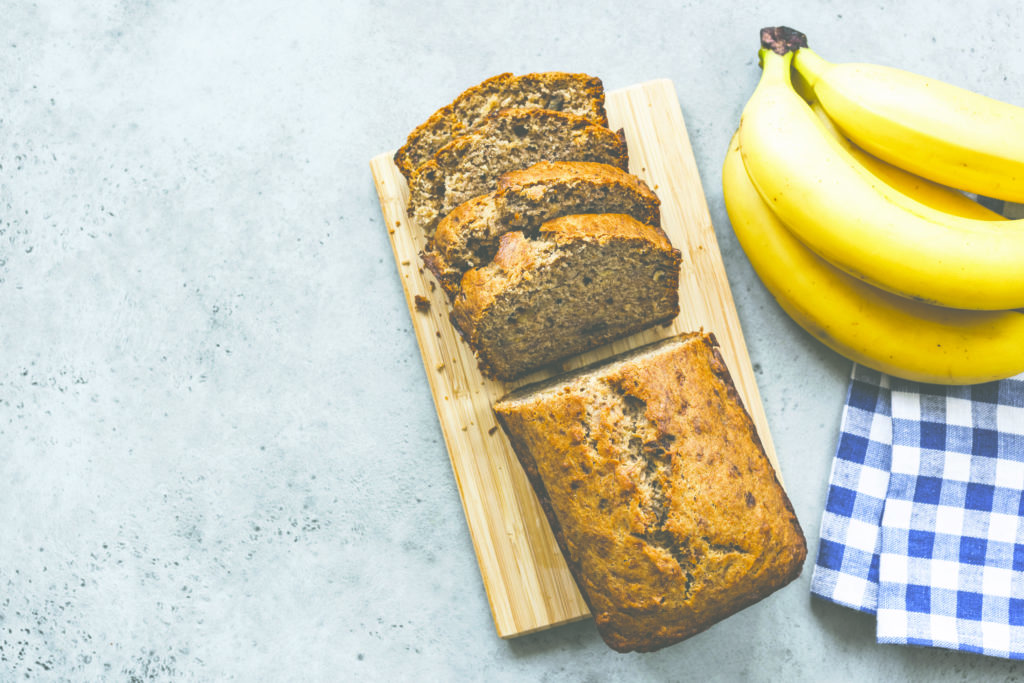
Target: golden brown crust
{"type": "Point", "coordinates": [603, 227]}
{"type": "Point", "coordinates": [480, 287]}
{"type": "Point", "coordinates": [444, 124]}
{"type": "Point", "coordinates": [546, 174]}
{"type": "Point", "coordinates": [449, 229]}
{"type": "Point", "coordinates": [448, 253]}
{"type": "Point", "coordinates": [658, 491]}
{"type": "Point", "coordinates": [468, 236]}
{"type": "Point", "coordinates": [500, 92]}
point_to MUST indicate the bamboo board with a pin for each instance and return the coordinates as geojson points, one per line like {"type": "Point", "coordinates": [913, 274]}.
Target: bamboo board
{"type": "Point", "coordinates": [528, 583]}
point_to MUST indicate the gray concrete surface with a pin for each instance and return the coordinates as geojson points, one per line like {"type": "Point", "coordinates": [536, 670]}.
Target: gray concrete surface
{"type": "Point", "coordinates": [219, 459]}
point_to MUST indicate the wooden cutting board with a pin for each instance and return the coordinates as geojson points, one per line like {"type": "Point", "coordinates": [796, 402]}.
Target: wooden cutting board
{"type": "Point", "coordinates": [528, 584]}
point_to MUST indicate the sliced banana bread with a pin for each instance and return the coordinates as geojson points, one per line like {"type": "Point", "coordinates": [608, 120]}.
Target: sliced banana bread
{"type": "Point", "coordinates": [658, 490]}
{"type": "Point", "coordinates": [582, 281]}
{"type": "Point", "coordinates": [507, 140]}
{"type": "Point", "coordinates": [468, 236]}
{"type": "Point", "coordinates": [575, 93]}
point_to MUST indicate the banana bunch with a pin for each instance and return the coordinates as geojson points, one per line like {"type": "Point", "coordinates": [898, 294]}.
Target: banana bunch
{"type": "Point", "coordinates": [838, 186]}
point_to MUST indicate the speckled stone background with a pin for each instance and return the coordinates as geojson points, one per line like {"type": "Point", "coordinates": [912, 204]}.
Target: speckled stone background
{"type": "Point", "coordinates": [219, 458]}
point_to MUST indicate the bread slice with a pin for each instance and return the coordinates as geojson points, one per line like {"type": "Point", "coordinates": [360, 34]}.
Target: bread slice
{"type": "Point", "coordinates": [578, 94]}
{"type": "Point", "coordinates": [468, 236]}
{"type": "Point", "coordinates": [507, 140]}
{"type": "Point", "coordinates": [584, 280]}
{"type": "Point", "coordinates": [658, 490]}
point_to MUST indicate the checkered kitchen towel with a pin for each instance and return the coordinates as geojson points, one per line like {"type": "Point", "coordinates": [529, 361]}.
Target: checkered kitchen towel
{"type": "Point", "coordinates": [924, 520]}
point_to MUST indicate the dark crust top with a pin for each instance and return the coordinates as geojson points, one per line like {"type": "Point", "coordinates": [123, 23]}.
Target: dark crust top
{"type": "Point", "coordinates": [725, 534]}
{"type": "Point", "coordinates": [449, 120]}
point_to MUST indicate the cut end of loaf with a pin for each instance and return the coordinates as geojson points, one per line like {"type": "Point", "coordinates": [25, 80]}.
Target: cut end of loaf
{"type": "Point", "coordinates": [547, 299]}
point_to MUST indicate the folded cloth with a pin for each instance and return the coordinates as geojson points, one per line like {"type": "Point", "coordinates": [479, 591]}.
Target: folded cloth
{"type": "Point", "coordinates": [924, 519]}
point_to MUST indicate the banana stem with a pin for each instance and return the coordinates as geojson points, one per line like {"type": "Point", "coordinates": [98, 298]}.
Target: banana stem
{"type": "Point", "coordinates": [782, 39]}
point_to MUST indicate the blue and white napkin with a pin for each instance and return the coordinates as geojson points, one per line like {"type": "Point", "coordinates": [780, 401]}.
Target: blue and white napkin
{"type": "Point", "coordinates": [924, 520]}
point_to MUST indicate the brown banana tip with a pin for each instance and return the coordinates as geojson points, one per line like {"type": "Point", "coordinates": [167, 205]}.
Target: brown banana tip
{"type": "Point", "coordinates": [782, 39]}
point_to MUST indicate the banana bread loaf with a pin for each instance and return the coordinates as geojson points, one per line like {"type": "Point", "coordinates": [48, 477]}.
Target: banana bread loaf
{"type": "Point", "coordinates": [582, 281]}
{"type": "Point", "coordinates": [468, 236]}
{"type": "Point", "coordinates": [578, 94]}
{"type": "Point", "coordinates": [506, 140]}
{"type": "Point", "coordinates": [657, 489]}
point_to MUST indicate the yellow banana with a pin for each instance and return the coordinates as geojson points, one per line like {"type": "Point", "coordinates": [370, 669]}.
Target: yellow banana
{"type": "Point", "coordinates": [862, 225]}
{"type": "Point", "coordinates": [930, 193]}
{"type": "Point", "coordinates": [891, 334]}
{"type": "Point", "coordinates": [933, 129]}
{"type": "Point", "coordinates": [925, 191]}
